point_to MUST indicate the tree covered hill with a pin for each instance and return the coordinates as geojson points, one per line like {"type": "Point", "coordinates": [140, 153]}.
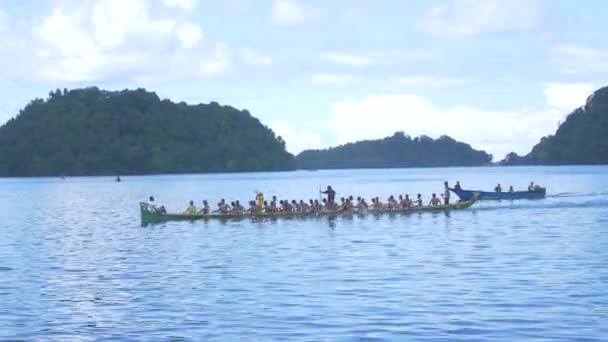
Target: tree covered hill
{"type": "Point", "coordinates": [91, 131]}
{"type": "Point", "coordinates": [398, 150]}
{"type": "Point", "coordinates": [581, 139]}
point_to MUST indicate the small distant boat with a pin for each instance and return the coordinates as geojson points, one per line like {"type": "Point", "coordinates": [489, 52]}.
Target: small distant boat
{"type": "Point", "coordinates": [150, 215]}
{"type": "Point", "coordinates": [118, 179]}
{"type": "Point", "coordinates": [466, 195]}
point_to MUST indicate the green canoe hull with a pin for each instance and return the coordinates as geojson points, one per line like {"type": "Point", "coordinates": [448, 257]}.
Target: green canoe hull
{"type": "Point", "coordinates": [149, 215]}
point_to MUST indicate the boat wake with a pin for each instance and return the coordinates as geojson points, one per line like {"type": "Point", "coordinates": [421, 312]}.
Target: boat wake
{"type": "Point", "coordinates": [577, 194]}
{"type": "Point", "coordinates": [544, 204]}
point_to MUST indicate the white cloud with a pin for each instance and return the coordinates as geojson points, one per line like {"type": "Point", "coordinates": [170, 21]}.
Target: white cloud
{"type": "Point", "coordinates": [186, 5]}
{"type": "Point", "coordinates": [92, 41]}
{"type": "Point", "coordinates": [218, 63]}
{"type": "Point", "coordinates": [427, 81]}
{"type": "Point", "coordinates": [579, 58]}
{"type": "Point", "coordinates": [189, 34]}
{"type": "Point", "coordinates": [253, 59]}
{"type": "Point", "coordinates": [352, 60]}
{"type": "Point", "coordinates": [335, 79]}
{"type": "Point", "coordinates": [287, 12]}
{"type": "Point", "coordinates": [115, 20]}
{"type": "Point", "coordinates": [498, 132]}
{"type": "Point", "coordinates": [462, 18]}
{"type": "Point", "coordinates": [297, 141]}
{"type": "Point", "coordinates": [567, 96]}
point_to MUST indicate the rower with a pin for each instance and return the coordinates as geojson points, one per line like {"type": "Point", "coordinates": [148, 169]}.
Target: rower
{"type": "Point", "coordinates": [419, 200]}
{"type": "Point", "coordinates": [511, 188]}
{"type": "Point", "coordinates": [204, 209]}
{"type": "Point", "coordinates": [223, 207]}
{"type": "Point", "coordinates": [531, 186]}
{"type": "Point", "coordinates": [191, 210]}
{"type": "Point", "coordinates": [317, 206]}
{"type": "Point", "coordinates": [331, 195]}
{"type": "Point", "coordinates": [446, 193]}
{"type": "Point", "coordinates": [295, 206]}
{"type": "Point", "coordinates": [434, 201]}
{"type": "Point", "coordinates": [498, 188]}
{"type": "Point", "coordinates": [393, 204]}
{"type": "Point", "coordinates": [407, 201]}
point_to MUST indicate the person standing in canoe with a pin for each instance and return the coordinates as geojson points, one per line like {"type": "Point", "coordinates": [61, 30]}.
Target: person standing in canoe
{"type": "Point", "coordinates": [191, 210]}
{"type": "Point", "coordinates": [498, 188]}
{"type": "Point", "coordinates": [260, 199]}
{"type": "Point", "coordinates": [446, 193]}
{"type": "Point", "coordinates": [331, 195]}
{"type": "Point", "coordinates": [457, 186]}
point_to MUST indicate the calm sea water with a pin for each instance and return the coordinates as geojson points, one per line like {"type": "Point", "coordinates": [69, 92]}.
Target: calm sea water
{"type": "Point", "coordinates": [75, 263]}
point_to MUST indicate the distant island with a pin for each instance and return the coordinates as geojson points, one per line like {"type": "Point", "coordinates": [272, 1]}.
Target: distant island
{"type": "Point", "coordinates": [396, 151]}
{"type": "Point", "coordinates": [95, 132]}
{"type": "Point", "coordinates": [581, 139]}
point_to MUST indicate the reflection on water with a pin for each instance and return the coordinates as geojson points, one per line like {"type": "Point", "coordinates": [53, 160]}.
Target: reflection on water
{"type": "Point", "coordinates": [76, 264]}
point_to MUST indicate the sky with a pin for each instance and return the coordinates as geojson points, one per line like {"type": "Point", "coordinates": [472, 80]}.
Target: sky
{"type": "Point", "coordinates": [497, 74]}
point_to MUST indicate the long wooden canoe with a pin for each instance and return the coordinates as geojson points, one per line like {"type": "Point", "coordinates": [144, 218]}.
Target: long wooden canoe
{"type": "Point", "coordinates": [150, 215]}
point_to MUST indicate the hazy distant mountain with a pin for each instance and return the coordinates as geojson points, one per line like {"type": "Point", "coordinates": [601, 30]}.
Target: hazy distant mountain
{"type": "Point", "coordinates": [398, 150]}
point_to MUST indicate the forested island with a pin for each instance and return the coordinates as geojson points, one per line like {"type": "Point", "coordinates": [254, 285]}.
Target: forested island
{"type": "Point", "coordinates": [95, 132]}
{"type": "Point", "coordinates": [399, 150]}
{"type": "Point", "coordinates": [581, 139]}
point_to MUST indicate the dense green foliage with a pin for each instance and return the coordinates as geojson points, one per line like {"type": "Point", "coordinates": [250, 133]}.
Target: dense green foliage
{"type": "Point", "coordinates": [581, 139]}
{"type": "Point", "coordinates": [91, 131]}
{"type": "Point", "coordinates": [399, 150]}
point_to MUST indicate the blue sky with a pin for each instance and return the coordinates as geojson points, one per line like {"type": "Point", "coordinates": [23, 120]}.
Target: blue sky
{"type": "Point", "coordinates": [497, 74]}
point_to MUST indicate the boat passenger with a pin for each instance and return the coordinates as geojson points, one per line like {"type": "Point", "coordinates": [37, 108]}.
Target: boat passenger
{"type": "Point", "coordinates": [446, 193]}
{"type": "Point", "coordinates": [160, 210]}
{"type": "Point", "coordinates": [434, 201]}
{"type": "Point", "coordinates": [191, 210]}
{"type": "Point", "coordinates": [457, 186]}
{"type": "Point", "coordinates": [498, 188]}
{"type": "Point", "coordinates": [511, 188]}
{"type": "Point", "coordinates": [419, 200]}
{"type": "Point", "coordinates": [331, 195]}
{"type": "Point", "coordinates": [317, 206]}
{"type": "Point", "coordinates": [531, 186]}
